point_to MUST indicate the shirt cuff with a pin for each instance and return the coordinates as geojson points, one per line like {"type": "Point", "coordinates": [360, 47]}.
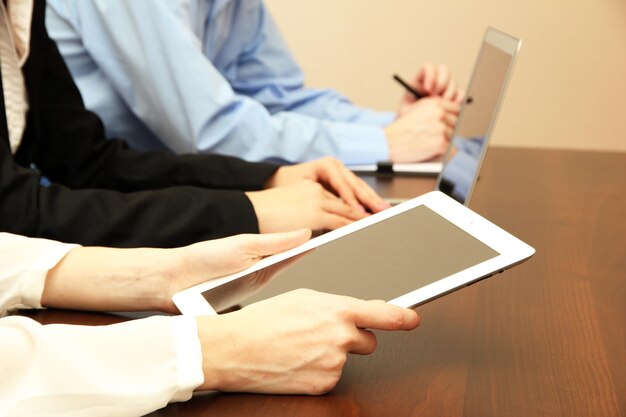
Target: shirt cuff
{"type": "Point", "coordinates": [34, 280]}
{"type": "Point", "coordinates": [360, 144]}
{"type": "Point", "coordinates": [188, 357]}
{"type": "Point", "coordinates": [24, 273]}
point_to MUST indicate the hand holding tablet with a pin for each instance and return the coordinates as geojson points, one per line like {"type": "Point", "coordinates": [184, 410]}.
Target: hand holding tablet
{"type": "Point", "coordinates": [294, 343]}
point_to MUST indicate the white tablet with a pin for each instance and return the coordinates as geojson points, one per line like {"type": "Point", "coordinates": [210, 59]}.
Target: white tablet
{"type": "Point", "coordinates": [408, 255]}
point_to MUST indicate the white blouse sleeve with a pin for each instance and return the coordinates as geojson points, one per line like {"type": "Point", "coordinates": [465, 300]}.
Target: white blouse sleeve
{"type": "Point", "coordinates": [126, 369]}
{"type": "Point", "coordinates": [24, 264]}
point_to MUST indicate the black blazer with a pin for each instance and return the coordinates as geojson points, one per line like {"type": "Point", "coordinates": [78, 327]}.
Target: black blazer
{"type": "Point", "coordinates": [104, 193]}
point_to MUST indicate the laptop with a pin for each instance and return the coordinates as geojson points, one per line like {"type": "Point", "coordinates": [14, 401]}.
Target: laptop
{"type": "Point", "coordinates": [477, 119]}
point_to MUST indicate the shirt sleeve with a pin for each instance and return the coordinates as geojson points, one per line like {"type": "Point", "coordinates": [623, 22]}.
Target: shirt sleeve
{"type": "Point", "coordinates": [124, 369]}
{"type": "Point", "coordinates": [25, 264]}
{"type": "Point", "coordinates": [177, 92]}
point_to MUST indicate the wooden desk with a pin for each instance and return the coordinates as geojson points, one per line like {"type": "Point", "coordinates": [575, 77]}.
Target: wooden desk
{"type": "Point", "coordinates": [547, 338]}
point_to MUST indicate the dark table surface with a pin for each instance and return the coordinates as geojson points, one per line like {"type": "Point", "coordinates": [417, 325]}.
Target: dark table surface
{"type": "Point", "coordinates": [546, 338]}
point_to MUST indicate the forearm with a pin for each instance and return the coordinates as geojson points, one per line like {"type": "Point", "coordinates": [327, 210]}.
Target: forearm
{"type": "Point", "coordinates": [105, 279]}
{"type": "Point", "coordinates": [323, 104]}
{"type": "Point", "coordinates": [288, 136]}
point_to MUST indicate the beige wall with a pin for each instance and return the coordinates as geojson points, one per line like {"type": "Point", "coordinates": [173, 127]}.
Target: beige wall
{"type": "Point", "coordinates": [569, 85]}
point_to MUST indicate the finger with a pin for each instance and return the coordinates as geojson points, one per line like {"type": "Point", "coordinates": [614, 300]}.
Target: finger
{"type": "Point", "coordinates": [376, 315]}
{"type": "Point", "coordinates": [271, 243]}
{"type": "Point", "coordinates": [263, 275]}
{"type": "Point", "coordinates": [449, 119]}
{"type": "Point", "coordinates": [442, 80]}
{"type": "Point", "coordinates": [365, 343]}
{"type": "Point", "coordinates": [334, 205]}
{"type": "Point", "coordinates": [408, 98]}
{"type": "Point", "coordinates": [366, 195]}
{"type": "Point", "coordinates": [451, 106]}
{"type": "Point", "coordinates": [460, 97]}
{"type": "Point", "coordinates": [449, 131]}
{"type": "Point", "coordinates": [451, 92]}
{"type": "Point", "coordinates": [334, 174]}
{"type": "Point", "coordinates": [454, 94]}
{"type": "Point", "coordinates": [330, 221]}
{"type": "Point", "coordinates": [426, 78]}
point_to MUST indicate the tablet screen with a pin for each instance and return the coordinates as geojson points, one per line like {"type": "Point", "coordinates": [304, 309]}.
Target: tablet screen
{"type": "Point", "coordinates": [382, 261]}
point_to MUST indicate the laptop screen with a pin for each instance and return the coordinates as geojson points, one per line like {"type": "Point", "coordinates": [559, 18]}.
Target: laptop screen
{"type": "Point", "coordinates": [477, 119]}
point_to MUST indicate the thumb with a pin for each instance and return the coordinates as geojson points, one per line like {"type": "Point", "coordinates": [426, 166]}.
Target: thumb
{"type": "Point", "coordinates": [271, 243]}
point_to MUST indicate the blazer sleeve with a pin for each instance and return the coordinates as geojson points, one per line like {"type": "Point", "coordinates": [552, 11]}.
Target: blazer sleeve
{"type": "Point", "coordinates": [167, 217]}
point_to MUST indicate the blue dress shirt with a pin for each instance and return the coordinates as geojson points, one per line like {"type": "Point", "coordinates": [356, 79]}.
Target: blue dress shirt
{"type": "Point", "coordinates": [206, 76]}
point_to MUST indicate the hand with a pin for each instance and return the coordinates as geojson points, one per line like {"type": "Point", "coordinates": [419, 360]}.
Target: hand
{"type": "Point", "coordinates": [424, 132]}
{"type": "Point", "coordinates": [303, 204]}
{"type": "Point", "coordinates": [208, 260]}
{"type": "Point", "coordinates": [295, 343]}
{"type": "Point", "coordinates": [432, 81]}
{"type": "Point", "coordinates": [106, 279]}
{"type": "Point", "coordinates": [331, 173]}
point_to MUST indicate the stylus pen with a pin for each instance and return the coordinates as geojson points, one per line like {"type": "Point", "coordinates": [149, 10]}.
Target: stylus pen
{"type": "Point", "coordinates": [410, 89]}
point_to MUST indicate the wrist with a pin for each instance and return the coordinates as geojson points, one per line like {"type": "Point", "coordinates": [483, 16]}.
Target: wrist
{"type": "Point", "coordinates": [144, 277]}
{"type": "Point", "coordinates": [257, 201]}
{"type": "Point", "coordinates": [170, 268]}
{"type": "Point", "coordinates": [274, 180]}
{"type": "Point", "coordinates": [210, 333]}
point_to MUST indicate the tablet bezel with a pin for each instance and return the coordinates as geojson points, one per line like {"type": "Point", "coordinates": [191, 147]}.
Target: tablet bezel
{"type": "Point", "coordinates": [512, 251]}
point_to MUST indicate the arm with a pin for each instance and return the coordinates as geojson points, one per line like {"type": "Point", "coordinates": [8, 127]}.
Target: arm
{"type": "Point", "coordinates": [106, 364]}
{"type": "Point", "coordinates": [178, 93]}
{"type": "Point", "coordinates": [307, 334]}
{"type": "Point", "coordinates": [94, 369]}
{"type": "Point", "coordinates": [145, 279]}
{"type": "Point", "coordinates": [168, 217]}
{"type": "Point", "coordinates": [99, 369]}
{"type": "Point", "coordinates": [268, 73]}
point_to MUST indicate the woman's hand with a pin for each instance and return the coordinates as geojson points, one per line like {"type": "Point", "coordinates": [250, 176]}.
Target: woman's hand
{"type": "Point", "coordinates": [333, 175]}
